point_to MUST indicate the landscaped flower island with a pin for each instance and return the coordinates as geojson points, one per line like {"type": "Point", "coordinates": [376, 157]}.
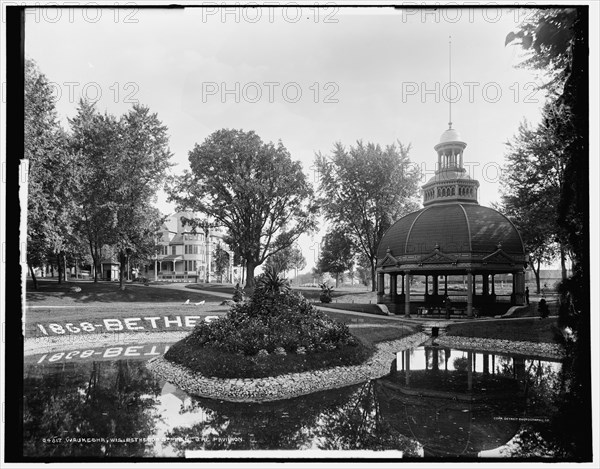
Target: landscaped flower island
{"type": "Point", "coordinates": [274, 346]}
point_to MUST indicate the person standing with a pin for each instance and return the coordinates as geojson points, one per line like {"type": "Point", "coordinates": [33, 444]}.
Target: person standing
{"type": "Point", "coordinates": [543, 309]}
{"type": "Point", "coordinates": [448, 305]}
{"type": "Point", "coordinates": [527, 295]}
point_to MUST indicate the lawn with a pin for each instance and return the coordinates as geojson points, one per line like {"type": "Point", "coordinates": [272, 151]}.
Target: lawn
{"type": "Point", "coordinates": [52, 293]}
{"type": "Point", "coordinates": [372, 335]}
{"type": "Point", "coordinates": [527, 329]}
{"type": "Point", "coordinates": [312, 294]}
{"type": "Point", "coordinates": [55, 310]}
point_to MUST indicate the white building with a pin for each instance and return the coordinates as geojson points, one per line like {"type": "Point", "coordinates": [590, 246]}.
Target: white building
{"type": "Point", "coordinates": [186, 253]}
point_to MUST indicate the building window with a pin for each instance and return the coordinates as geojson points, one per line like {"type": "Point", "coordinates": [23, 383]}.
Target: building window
{"type": "Point", "coordinates": [192, 249]}
{"type": "Point", "coordinates": [173, 251]}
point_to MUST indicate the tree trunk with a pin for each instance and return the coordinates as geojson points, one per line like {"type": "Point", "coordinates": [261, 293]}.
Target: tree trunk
{"type": "Point", "coordinates": [35, 285]}
{"type": "Point", "coordinates": [537, 275]}
{"type": "Point", "coordinates": [563, 265]}
{"type": "Point", "coordinates": [337, 277]}
{"type": "Point", "coordinates": [96, 261]}
{"type": "Point", "coordinates": [122, 267]}
{"type": "Point", "coordinates": [373, 275]}
{"type": "Point", "coordinates": [250, 266]}
{"type": "Point", "coordinates": [59, 266]}
{"type": "Point", "coordinates": [94, 255]}
{"type": "Point", "coordinates": [65, 262]}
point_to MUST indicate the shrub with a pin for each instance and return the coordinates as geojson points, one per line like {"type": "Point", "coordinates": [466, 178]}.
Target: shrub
{"type": "Point", "coordinates": [238, 294]}
{"type": "Point", "coordinates": [213, 362]}
{"type": "Point", "coordinates": [325, 296]}
{"type": "Point", "coordinates": [274, 320]}
{"type": "Point", "coordinates": [271, 284]}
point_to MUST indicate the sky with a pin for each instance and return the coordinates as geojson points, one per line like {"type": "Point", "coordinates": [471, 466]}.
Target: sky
{"type": "Point", "coordinates": [308, 77]}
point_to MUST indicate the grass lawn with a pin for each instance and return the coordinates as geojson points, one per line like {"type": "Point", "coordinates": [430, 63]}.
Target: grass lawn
{"type": "Point", "coordinates": [50, 293]}
{"type": "Point", "coordinates": [372, 335]}
{"type": "Point", "coordinates": [349, 318]}
{"type": "Point", "coordinates": [55, 310]}
{"type": "Point", "coordinates": [217, 287]}
{"type": "Point", "coordinates": [311, 294]}
{"type": "Point", "coordinates": [528, 329]}
{"type": "Point", "coordinates": [53, 306]}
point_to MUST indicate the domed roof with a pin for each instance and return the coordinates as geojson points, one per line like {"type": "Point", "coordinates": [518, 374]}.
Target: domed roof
{"type": "Point", "coordinates": [455, 228]}
{"type": "Point", "coordinates": [448, 175]}
{"type": "Point", "coordinates": [450, 135]}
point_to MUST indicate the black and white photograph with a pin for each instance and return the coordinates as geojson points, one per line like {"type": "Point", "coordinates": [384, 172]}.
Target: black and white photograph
{"type": "Point", "coordinates": [282, 234]}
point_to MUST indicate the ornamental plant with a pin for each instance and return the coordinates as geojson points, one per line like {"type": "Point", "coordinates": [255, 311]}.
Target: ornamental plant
{"type": "Point", "coordinates": [238, 294]}
{"type": "Point", "coordinates": [326, 293]}
{"type": "Point", "coordinates": [274, 319]}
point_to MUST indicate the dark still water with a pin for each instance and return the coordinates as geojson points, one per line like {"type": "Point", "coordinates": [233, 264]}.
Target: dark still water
{"type": "Point", "coordinates": [435, 403]}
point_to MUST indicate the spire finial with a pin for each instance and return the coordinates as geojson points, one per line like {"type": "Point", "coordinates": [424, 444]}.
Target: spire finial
{"type": "Point", "coordinates": [450, 81]}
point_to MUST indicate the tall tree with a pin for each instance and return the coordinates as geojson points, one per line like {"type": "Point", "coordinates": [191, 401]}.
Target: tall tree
{"type": "Point", "coordinates": [221, 261]}
{"type": "Point", "coordinates": [52, 175]}
{"type": "Point", "coordinates": [337, 254]}
{"type": "Point", "coordinates": [94, 139]}
{"type": "Point", "coordinates": [557, 42]}
{"type": "Point", "coordinates": [124, 162]}
{"type": "Point", "coordinates": [531, 185]}
{"type": "Point", "coordinates": [142, 165]}
{"type": "Point", "coordinates": [252, 188]}
{"type": "Point", "coordinates": [285, 259]}
{"type": "Point", "coordinates": [364, 189]}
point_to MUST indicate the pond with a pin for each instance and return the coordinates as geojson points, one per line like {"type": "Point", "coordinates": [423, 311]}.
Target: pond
{"type": "Point", "coordinates": [436, 403]}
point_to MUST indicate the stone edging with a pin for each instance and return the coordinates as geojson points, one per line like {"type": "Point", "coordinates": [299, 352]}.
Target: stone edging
{"type": "Point", "coordinates": [539, 349]}
{"type": "Point", "coordinates": [284, 386]}
{"type": "Point", "coordinates": [49, 344]}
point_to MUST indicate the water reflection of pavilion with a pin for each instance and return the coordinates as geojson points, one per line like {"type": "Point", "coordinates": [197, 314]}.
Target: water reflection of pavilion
{"type": "Point", "coordinates": [454, 403]}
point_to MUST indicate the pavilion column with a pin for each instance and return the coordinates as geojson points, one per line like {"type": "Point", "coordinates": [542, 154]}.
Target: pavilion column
{"type": "Point", "coordinates": [519, 287]}
{"type": "Point", "coordinates": [446, 285]}
{"type": "Point", "coordinates": [486, 284]}
{"type": "Point", "coordinates": [380, 286]}
{"type": "Point", "coordinates": [407, 366]}
{"type": "Point", "coordinates": [393, 287]}
{"type": "Point", "coordinates": [435, 359]}
{"type": "Point", "coordinates": [513, 298]}
{"type": "Point", "coordinates": [470, 294]}
{"type": "Point", "coordinates": [426, 285]}
{"type": "Point", "coordinates": [519, 368]}
{"type": "Point", "coordinates": [402, 284]}
{"type": "Point", "coordinates": [486, 364]}
{"type": "Point", "coordinates": [435, 285]}
{"type": "Point", "coordinates": [493, 285]}
{"type": "Point", "coordinates": [474, 286]}
{"type": "Point", "coordinates": [407, 294]}
{"type": "Point", "coordinates": [470, 371]}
